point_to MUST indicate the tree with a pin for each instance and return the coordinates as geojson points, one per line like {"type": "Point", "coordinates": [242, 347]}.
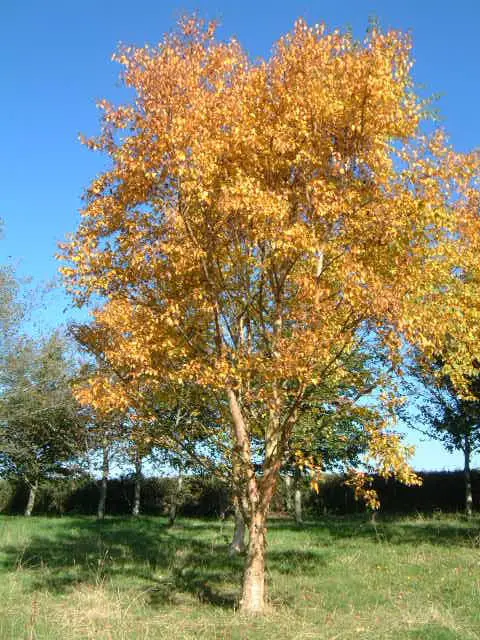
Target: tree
{"type": "Point", "coordinates": [260, 220]}
{"type": "Point", "coordinates": [105, 435]}
{"type": "Point", "coordinates": [11, 308]}
{"type": "Point", "coordinates": [41, 426]}
{"type": "Point", "coordinates": [444, 413]}
{"type": "Point", "coordinates": [332, 430]}
{"type": "Point", "coordinates": [139, 446]}
{"type": "Point", "coordinates": [137, 455]}
{"type": "Point", "coordinates": [177, 431]}
{"type": "Point", "coordinates": [458, 427]}
{"type": "Point", "coordinates": [327, 438]}
{"type": "Point", "coordinates": [105, 430]}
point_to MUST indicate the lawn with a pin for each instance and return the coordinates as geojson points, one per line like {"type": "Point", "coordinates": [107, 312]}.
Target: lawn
{"type": "Point", "coordinates": [337, 578]}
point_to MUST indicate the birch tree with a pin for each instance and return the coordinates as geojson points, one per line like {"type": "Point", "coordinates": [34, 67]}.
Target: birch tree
{"type": "Point", "coordinates": [259, 220]}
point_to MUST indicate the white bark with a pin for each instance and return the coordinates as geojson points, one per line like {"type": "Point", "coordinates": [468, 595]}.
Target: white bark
{"type": "Point", "coordinates": [32, 493]}
{"type": "Point", "coordinates": [172, 516]}
{"type": "Point", "coordinates": [468, 478]}
{"type": "Point", "coordinates": [104, 483]}
{"type": "Point", "coordinates": [138, 486]}
{"type": "Point", "coordinates": [298, 505]}
{"type": "Point", "coordinates": [237, 545]}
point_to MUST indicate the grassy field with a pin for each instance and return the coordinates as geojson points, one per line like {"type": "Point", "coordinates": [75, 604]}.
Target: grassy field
{"type": "Point", "coordinates": [338, 578]}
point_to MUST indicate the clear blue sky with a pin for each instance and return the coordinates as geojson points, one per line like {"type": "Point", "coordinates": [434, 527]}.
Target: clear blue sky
{"type": "Point", "coordinates": [56, 62]}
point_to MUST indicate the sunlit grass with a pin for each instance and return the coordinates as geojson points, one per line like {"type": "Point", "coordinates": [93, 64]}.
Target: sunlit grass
{"type": "Point", "coordinates": [341, 578]}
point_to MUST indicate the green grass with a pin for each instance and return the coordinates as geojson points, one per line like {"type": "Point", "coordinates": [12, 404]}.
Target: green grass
{"type": "Point", "coordinates": [338, 578]}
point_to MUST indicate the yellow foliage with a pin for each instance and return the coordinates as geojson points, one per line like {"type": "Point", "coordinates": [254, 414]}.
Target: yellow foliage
{"type": "Point", "coordinates": [257, 218]}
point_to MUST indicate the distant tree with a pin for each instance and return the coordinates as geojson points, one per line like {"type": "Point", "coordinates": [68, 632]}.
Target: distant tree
{"type": "Point", "coordinates": [105, 437]}
{"type": "Point", "coordinates": [41, 424]}
{"type": "Point", "coordinates": [328, 438]}
{"type": "Point", "coordinates": [139, 437]}
{"type": "Point", "coordinates": [332, 430]}
{"type": "Point", "coordinates": [105, 440]}
{"type": "Point", "coordinates": [11, 308]}
{"type": "Point", "coordinates": [137, 456]}
{"type": "Point", "coordinates": [458, 427]}
{"type": "Point", "coordinates": [445, 413]}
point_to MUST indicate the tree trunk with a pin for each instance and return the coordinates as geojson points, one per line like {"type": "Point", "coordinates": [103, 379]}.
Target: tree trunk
{"type": "Point", "coordinates": [258, 495]}
{"type": "Point", "coordinates": [467, 476]}
{"type": "Point", "coordinates": [172, 516]}
{"type": "Point", "coordinates": [298, 497]}
{"type": "Point", "coordinates": [104, 483]}
{"type": "Point", "coordinates": [253, 593]}
{"type": "Point", "coordinates": [138, 485]}
{"type": "Point", "coordinates": [298, 505]}
{"type": "Point", "coordinates": [289, 493]}
{"type": "Point", "coordinates": [32, 492]}
{"type": "Point", "coordinates": [238, 541]}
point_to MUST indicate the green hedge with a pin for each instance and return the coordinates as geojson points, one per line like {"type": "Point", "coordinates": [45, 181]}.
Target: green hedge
{"type": "Point", "coordinates": [199, 497]}
{"type": "Point", "coordinates": [440, 491]}
{"type": "Point", "coordinates": [205, 496]}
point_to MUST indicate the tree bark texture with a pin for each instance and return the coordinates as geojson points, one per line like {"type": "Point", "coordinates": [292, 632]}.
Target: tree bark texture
{"type": "Point", "coordinates": [237, 545]}
{"type": "Point", "coordinates": [289, 493]}
{"type": "Point", "coordinates": [137, 490]}
{"type": "Point", "coordinates": [172, 515]}
{"type": "Point", "coordinates": [468, 478]}
{"type": "Point", "coordinates": [258, 492]}
{"type": "Point", "coordinates": [253, 591]}
{"type": "Point", "coordinates": [104, 482]}
{"type": "Point", "coordinates": [32, 493]}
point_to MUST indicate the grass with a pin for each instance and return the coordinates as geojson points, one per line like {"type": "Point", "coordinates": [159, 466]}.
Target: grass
{"type": "Point", "coordinates": [338, 578]}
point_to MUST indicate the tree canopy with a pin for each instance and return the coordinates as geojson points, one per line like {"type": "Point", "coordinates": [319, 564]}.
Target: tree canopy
{"type": "Point", "coordinates": [41, 423]}
{"type": "Point", "coordinates": [260, 220]}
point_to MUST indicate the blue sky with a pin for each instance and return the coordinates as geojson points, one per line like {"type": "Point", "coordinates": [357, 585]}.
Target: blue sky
{"type": "Point", "coordinates": [56, 62]}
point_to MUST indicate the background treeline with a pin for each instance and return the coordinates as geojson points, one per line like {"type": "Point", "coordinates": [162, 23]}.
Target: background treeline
{"type": "Point", "coordinates": [54, 437]}
{"type": "Point", "coordinates": [208, 497]}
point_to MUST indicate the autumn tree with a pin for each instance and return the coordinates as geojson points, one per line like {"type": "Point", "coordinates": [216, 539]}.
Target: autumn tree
{"type": "Point", "coordinates": [258, 221]}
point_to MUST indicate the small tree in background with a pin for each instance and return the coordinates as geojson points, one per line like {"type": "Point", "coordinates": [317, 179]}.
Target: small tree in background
{"type": "Point", "coordinates": [105, 438]}
{"type": "Point", "coordinates": [41, 423]}
{"type": "Point", "coordinates": [12, 309]}
{"type": "Point", "coordinates": [444, 412]}
{"type": "Point", "coordinates": [332, 430]}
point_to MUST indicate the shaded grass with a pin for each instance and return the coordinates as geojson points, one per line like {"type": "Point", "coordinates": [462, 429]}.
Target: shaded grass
{"type": "Point", "coordinates": [74, 577]}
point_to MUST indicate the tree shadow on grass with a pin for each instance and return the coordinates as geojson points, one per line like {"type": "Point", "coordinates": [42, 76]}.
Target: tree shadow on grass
{"type": "Point", "coordinates": [393, 530]}
{"type": "Point", "coordinates": [189, 559]}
